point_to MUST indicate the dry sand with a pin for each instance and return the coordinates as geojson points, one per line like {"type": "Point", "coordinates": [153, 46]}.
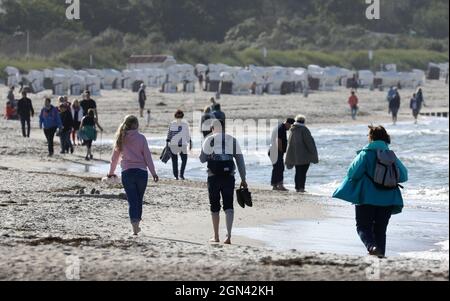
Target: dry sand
{"type": "Point", "coordinates": [46, 221]}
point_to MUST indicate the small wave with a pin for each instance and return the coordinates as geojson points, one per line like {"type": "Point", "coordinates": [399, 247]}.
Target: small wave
{"type": "Point", "coordinates": [441, 254]}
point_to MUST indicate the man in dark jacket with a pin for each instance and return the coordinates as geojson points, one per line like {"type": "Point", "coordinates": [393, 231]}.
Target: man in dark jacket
{"type": "Point", "coordinates": [64, 135]}
{"type": "Point", "coordinates": [217, 113]}
{"type": "Point", "coordinates": [88, 103]}
{"type": "Point", "coordinates": [25, 111]}
{"type": "Point", "coordinates": [394, 106]}
{"type": "Point", "coordinates": [142, 99]}
{"type": "Point", "coordinates": [277, 151]}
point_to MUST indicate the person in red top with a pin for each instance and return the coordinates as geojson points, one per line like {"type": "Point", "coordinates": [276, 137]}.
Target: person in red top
{"type": "Point", "coordinates": [353, 102]}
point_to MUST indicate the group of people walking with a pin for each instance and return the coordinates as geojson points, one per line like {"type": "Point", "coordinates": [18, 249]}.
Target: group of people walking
{"type": "Point", "coordinates": [220, 151]}
{"type": "Point", "coordinates": [372, 183]}
{"type": "Point", "coordinates": [374, 191]}
{"type": "Point", "coordinates": [75, 123]}
{"type": "Point", "coordinates": [417, 102]}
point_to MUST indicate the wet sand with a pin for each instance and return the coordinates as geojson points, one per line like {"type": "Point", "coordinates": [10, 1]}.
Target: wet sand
{"type": "Point", "coordinates": [48, 216]}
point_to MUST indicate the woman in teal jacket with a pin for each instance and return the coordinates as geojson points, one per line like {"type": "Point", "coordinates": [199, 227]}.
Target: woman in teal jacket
{"type": "Point", "coordinates": [374, 206]}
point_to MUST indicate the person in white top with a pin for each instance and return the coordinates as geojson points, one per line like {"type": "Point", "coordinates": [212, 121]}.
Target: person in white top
{"type": "Point", "coordinates": [179, 139]}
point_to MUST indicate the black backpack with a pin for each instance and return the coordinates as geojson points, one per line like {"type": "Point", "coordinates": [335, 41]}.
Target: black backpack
{"type": "Point", "coordinates": [221, 164]}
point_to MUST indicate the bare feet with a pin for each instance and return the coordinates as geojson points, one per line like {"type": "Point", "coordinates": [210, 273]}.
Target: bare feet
{"type": "Point", "coordinates": [214, 240]}
{"type": "Point", "coordinates": [136, 229]}
{"type": "Point", "coordinates": [228, 241]}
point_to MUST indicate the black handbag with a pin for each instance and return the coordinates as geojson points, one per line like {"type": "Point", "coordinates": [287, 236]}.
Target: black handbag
{"type": "Point", "coordinates": [244, 197]}
{"type": "Point", "coordinates": [166, 154]}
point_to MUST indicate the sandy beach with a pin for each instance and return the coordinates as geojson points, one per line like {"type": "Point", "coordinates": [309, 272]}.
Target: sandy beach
{"type": "Point", "coordinates": [51, 217]}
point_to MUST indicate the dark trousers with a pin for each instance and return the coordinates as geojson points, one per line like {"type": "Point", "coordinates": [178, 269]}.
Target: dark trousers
{"type": "Point", "coordinates": [25, 121]}
{"type": "Point", "coordinates": [300, 176]}
{"type": "Point", "coordinates": [50, 135]}
{"type": "Point", "coordinates": [221, 186]}
{"type": "Point", "coordinates": [371, 224]}
{"type": "Point", "coordinates": [354, 112]}
{"type": "Point", "coordinates": [66, 143]}
{"type": "Point", "coordinates": [278, 171]}
{"type": "Point", "coordinates": [135, 183]}
{"type": "Point", "coordinates": [184, 158]}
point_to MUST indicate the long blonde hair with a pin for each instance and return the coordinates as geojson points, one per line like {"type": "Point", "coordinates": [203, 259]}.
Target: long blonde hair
{"type": "Point", "coordinates": [129, 123]}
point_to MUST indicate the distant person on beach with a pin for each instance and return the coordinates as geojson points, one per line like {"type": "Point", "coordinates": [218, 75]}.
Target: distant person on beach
{"type": "Point", "coordinates": [301, 152]}
{"type": "Point", "coordinates": [277, 151]}
{"type": "Point", "coordinates": [205, 126]}
{"type": "Point", "coordinates": [25, 111]}
{"type": "Point", "coordinates": [217, 113]}
{"type": "Point", "coordinates": [88, 132]}
{"type": "Point", "coordinates": [131, 147]}
{"type": "Point", "coordinates": [200, 81]}
{"type": "Point", "coordinates": [77, 116]}
{"type": "Point", "coordinates": [416, 104]}
{"type": "Point", "coordinates": [50, 121]}
{"type": "Point", "coordinates": [391, 94]}
{"type": "Point", "coordinates": [10, 97]}
{"type": "Point", "coordinates": [375, 203]}
{"type": "Point", "coordinates": [11, 105]}
{"type": "Point", "coordinates": [179, 138]}
{"type": "Point", "coordinates": [64, 101]}
{"type": "Point", "coordinates": [394, 106]}
{"type": "Point", "coordinates": [88, 103]}
{"type": "Point", "coordinates": [353, 102]}
{"type": "Point", "coordinates": [142, 97]}
{"type": "Point", "coordinates": [355, 83]}
{"type": "Point", "coordinates": [64, 135]}
{"type": "Point", "coordinates": [220, 150]}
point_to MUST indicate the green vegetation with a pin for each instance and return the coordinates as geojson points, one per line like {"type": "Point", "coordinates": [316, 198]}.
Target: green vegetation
{"type": "Point", "coordinates": [411, 33]}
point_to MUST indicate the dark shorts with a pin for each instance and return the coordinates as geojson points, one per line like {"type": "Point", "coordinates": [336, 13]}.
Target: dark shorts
{"type": "Point", "coordinates": [142, 104]}
{"type": "Point", "coordinates": [221, 187]}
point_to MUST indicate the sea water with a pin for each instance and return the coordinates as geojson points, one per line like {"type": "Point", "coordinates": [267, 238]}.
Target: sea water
{"type": "Point", "coordinates": [421, 231]}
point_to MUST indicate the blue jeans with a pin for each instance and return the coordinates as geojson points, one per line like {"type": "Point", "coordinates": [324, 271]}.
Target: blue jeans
{"type": "Point", "coordinates": [135, 183]}
{"type": "Point", "coordinates": [66, 143]}
{"type": "Point", "coordinates": [354, 112]}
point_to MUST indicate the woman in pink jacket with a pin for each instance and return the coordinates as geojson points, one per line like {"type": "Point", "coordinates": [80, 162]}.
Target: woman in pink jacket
{"type": "Point", "coordinates": [132, 147]}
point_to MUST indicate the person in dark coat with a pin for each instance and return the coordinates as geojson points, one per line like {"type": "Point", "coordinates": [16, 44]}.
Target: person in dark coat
{"type": "Point", "coordinates": [142, 99]}
{"type": "Point", "coordinates": [206, 122]}
{"type": "Point", "coordinates": [277, 151]}
{"type": "Point", "coordinates": [25, 111]}
{"type": "Point", "coordinates": [67, 123]}
{"type": "Point", "coordinates": [301, 152]}
{"type": "Point", "coordinates": [394, 107]}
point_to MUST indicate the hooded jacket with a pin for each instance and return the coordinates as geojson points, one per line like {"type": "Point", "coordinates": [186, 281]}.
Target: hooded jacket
{"type": "Point", "coordinates": [359, 189]}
